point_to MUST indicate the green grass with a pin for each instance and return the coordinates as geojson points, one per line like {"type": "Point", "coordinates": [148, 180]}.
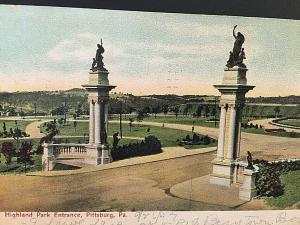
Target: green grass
{"type": "Point", "coordinates": [16, 167]}
{"type": "Point", "coordinates": [291, 122]}
{"type": "Point", "coordinates": [12, 124]}
{"type": "Point", "coordinates": [291, 195]}
{"type": "Point", "coordinates": [201, 121]}
{"type": "Point", "coordinates": [167, 136]}
{"type": "Point", "coordinates": [279, 134]}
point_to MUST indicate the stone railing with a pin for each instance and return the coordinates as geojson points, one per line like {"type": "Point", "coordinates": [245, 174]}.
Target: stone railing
{"type": "Point", "coordinates": [53, 151]}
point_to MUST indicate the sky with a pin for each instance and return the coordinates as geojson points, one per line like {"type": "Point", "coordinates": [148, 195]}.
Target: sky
{"type": "Point", "coordinates": [51, 48]}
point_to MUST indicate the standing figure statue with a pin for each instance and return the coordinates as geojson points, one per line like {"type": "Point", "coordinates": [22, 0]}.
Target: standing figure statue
{"type": "Point", "coordinates": [237, 54]}
{"type": "Point", "coordinates": [98, 60]}
{"type": "Point", "coordinates": [250, 161]}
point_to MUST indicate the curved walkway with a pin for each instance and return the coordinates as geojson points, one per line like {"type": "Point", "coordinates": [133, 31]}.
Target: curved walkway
{"type": "Point", "coordinates": [33, 129]}
{"type": "Point", "coordinates": [136, 187]}
{"type": "Point", "coordinates": [267, 125]}
{"type": "Point", "coordinates": [262, 146]}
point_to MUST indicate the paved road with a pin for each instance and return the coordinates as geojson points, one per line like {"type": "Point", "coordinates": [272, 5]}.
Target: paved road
{"type": "Point", "coordinates": [266, 124]}
{"type": "Point", "coordinates": [262, 146]}
{"type": "Point", "coordinates": [136, 187]}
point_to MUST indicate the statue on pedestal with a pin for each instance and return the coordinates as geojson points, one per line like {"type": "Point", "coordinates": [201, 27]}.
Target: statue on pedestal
{"type": "Point", "coordinates": [237, 55]}
{"type": "Point", "coordinates": [98, 60]}
{"type": "Point", "coordinates": [250, 161]}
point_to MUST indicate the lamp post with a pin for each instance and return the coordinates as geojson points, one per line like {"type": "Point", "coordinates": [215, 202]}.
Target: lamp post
{"type": "Point", "coordinates": [121, 111]}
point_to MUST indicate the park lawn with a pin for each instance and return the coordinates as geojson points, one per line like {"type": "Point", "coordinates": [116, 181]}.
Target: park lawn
{"type": "Point", "coordinates": [12, 124]}
{"type": "Point", "coordinates": [15, 167]}
{"type": "Point", "coordinates": [290, 122]}
{"type": "Point", "coordinates": [262, 131]}
{"type": "Point", "coordinates": [18, 168]}
{"type": "Point", "coordinates": [167, 136]}
{"type": "Point", "coordinates": [291, 195]}
{"type": "Point", "coordinates": [187, 120]}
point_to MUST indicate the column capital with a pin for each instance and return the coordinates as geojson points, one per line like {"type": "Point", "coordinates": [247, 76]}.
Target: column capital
{"type": "Point", "coordinates": [101, 101]}
{"type": "Point", "coordinates": [238, 105]}
{"type": "Point", "coordinates": [232, 105]}
{"type": "Point", "coordinates": [223, 105]}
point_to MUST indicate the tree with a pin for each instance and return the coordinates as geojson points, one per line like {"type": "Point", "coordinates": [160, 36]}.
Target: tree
{"type": "Point", "coordinates": [17, 134]}
{"type": "Point", "coordinates": [75, 125]}
{"type": "Point", "coordinates": [130, 123]}
{"type": "Point", "coordinates": [253, 110]}
{"type": "Point", "coordinates": [74, 116]}
{"type": "Point", "coordinates": [199, 111]}
{"type": "Point", "coordinates": [8, 151]}
{"type": "Point", "coordinates": [277, 111]}
{"type": "Point", "coordinates": [25, 155]}
{"type": "Point", "coordinates": [115, 140]}
{"type": "Point", "coordinates": [186, 109]}
{"type": "Point", "coordinates": [206, 110]}
{"type": "Point", "coordinates": [4, 128]}
{"type": "Point", "coordinates": [140, 116]}
{"type": "Point", "coordinates": [34, 105]}
{"type": "Point", "coordinates": [175, 109]}
{"type": "Point", "coordinates": [165, 109]}
{"type": "Point", "coordinates": [213, 111]}
{"type": "Point", "coordinates": [155, 110]}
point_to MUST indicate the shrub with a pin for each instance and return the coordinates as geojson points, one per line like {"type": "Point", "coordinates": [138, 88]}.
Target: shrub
{"type": "Point", "coordinates": [151, 145]}
{"type": "Point", "coordinates": [268, 178]}
{"type": "Point", "coordinates": [206, 140]}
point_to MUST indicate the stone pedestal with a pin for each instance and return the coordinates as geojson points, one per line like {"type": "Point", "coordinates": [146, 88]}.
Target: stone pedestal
{"type": "Point", "coordinates": [98, 88]}
{"type": "Point", "coordinates": [223, 173]}
{"type": "Point", "coordinates": [248, 189]}
{"type": "Point", "coordinates": [98, 155]}
{"type": "Point", "coordinates": [48, 159]}
{"type": "Point", "coordinates": [233, 90]}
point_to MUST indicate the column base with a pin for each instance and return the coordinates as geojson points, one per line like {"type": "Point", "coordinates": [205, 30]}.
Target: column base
{"type": "Point", "coordinates": [223, 173]}
{"type": "Point", "coordinates": [98, 154]}
{"type": "Point", "coordinates": [248, 189]}
{"type": "Point", "coordinates": [48, 163]}
{"type": "Point", "coordinates": [247, 194]}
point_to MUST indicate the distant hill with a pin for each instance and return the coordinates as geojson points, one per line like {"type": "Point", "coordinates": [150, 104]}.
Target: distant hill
{"type": "Point", "coordinates": [292, 99]}
{"type": "Point", "coordinates": [46, 101]}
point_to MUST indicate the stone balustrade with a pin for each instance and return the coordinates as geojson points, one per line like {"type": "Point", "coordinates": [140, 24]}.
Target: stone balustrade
{"type": "Point", "coordinates": [53, 151]}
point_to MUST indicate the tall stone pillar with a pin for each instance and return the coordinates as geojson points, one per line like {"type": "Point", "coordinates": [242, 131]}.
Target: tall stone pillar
{"type": "Point", "coordinates": [92, 123]}
{"type": "Point", "coordinates": [232, 134]}
{"type": "Point", "coordinates": [220, 149]}
{"type": "Point", "coordinates": [98, 89]}
{"type": "Point", "coordinates": [233, 90]}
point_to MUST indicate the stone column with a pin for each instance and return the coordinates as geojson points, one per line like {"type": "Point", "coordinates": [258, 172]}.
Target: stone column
{"type": "Point", "coordinates": [97, 122]}
{"type": "Point", "coordinates": [48, 158]}
{"type": "Point", "coordinates": [220, 150]}
{"type": "Point", "coordinates": [92, 123]}
{"type": "Point", "coordinates": [239, 114]}
{"type": "Point", "coordinates": [102, 122]}
{"type": "Point", "coordinates": [106, 117]}
{"type": "Point", "coordinates": [232, 136]}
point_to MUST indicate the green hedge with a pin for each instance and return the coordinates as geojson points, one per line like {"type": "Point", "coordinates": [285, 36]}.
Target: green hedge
{"type": "Point", "coordinates": [151, 145]}
{"type": "Point", "coordinates": [267, 181]}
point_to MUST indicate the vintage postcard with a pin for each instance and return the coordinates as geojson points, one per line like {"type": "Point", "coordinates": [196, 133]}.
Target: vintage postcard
{"type": "Point", "coordinates": [119, 117]}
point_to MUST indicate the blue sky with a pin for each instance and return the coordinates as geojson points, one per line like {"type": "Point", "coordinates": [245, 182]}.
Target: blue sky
{"type": "Point", "coordinates": [51, 48]}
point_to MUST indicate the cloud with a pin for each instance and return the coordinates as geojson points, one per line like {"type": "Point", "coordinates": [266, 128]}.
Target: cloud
{"type": "Point", "coordinates": [80, 47]}
{"type": "Point", "coordinates": [35, 80]}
